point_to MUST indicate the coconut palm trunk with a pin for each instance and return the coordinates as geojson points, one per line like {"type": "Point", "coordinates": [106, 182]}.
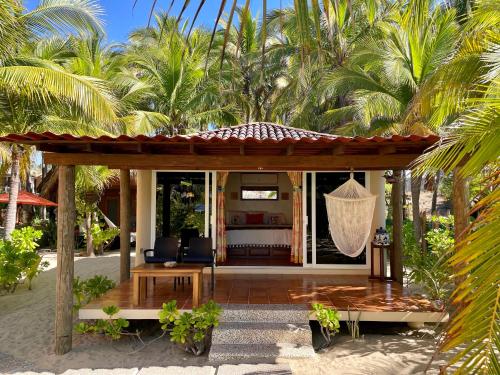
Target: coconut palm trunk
{"type": "Point", "coordinates": [15, 180]}
{"type": "Point", "coordinates": [435, 192]}
{"type": "Point", "coordinates": [89, 240]}
{"type": "Point", "coordinates": [416, 182]}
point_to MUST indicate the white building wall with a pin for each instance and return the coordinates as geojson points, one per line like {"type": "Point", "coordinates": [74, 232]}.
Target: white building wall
{"type": "Point", "coordinates": [377, 187]}
{"type": "Point", "coordinates": [143, 226]}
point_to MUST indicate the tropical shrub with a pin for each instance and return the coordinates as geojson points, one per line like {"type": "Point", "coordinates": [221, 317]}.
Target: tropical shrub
{"type": "Point", "coordinates": [441, 241]}
{"type": "Point", "coordinates": [102, 237]}
{"type": "Point", "coordinates": [86, 290]}
{"type": "Point", "coordinates": [428, 268]}
{"type": "Point", "coordinates": [329, 321]}
{"type": "Point", "coordinates": [111, 327]}
{"type": "Point", "coordinates": [49, 233]}
{"type": "Point", "coordinates": [190, 330]}
{"type": "Point", "coordinates": [19, 258]}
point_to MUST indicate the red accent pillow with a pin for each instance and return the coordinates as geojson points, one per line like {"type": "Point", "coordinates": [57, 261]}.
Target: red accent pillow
{"type": "Point", "coordinates": [255, 218]}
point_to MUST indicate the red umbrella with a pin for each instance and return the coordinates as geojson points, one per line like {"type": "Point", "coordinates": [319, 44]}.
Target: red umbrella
{"type": "Point", "coordinates": [28, 198]}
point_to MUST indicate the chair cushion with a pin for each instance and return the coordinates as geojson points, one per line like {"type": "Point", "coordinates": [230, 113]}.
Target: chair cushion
{"type": "Point", "coordinates": [158, 259]}
{"type": "Point", "coordinates": [197, 259]}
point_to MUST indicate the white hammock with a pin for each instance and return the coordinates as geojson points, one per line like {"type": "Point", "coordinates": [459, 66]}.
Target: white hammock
{"type": "Point", "coordinates": [350, 210]}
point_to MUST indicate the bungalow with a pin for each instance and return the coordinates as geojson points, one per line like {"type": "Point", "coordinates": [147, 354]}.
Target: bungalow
{"type": "Point", "coordinates": [257, 190]}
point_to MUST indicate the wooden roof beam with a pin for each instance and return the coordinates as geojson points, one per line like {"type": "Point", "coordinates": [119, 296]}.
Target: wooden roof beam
{"type": "Point", "coordinates": [386, 150]}
{"type": "Point", "coordinates": [192, 149]}
{"type": "Point", "coordinates": [235, 162]}
{"type": "Point", "coordinates": [338, 150]}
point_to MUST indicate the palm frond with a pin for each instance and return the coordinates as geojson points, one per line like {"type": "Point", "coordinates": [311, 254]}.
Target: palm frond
{"type": "Point", "coordinates": [64, 16]}
{"type": "Point", "coordinates": [476, 324]}
{"type": "Point", "coordinates": [90, 96]}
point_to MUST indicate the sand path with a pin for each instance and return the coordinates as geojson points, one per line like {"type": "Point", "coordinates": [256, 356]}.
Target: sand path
{"type": "Point", "coordinates": [27, 327]}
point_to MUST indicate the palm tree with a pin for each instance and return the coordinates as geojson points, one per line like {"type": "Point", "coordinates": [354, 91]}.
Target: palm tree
{"type": "Point", "coordinates": [90, 182]}
{"type": "Point", "coordinates": [463, 99]}
{"type": "Point", "coordinates": [252, 80]}
{"type": "Point", "coordinates": [303, 102]}
{"type": "Point", "coordinates": [385, 74]}
{"type": "Point", "coordinates": [169, 72]}
{"type": "Point", "coordinates": [31, 88]}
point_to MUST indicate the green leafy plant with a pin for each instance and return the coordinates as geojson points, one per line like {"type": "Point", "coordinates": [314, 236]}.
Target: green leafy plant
{"type": "Point", "coordinates": [190, 330]}
{"type": "Point", "coordinates": [441, 242]}
{"type": "Point", "coordinates": [86, 290]}
{"type": "Point", "coordinates": [329, 321]}
{"type": "Point", "coordinates": [428, 268]}
{"type": "Point", "coordinates": [102, 237]}
{"type": "Point", "coordinates": [19, 258]}
{"type": "Point", "coordinates": [49, 237]}
{"type": "Point", "coordinates": [111, 327]}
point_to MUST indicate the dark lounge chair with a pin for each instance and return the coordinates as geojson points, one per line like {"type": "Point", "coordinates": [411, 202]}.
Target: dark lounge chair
{"type": "Point", "coordinates": [186, 235]}
{"type": "Point", "coordinates": [200, 251]}
{"type": "Point", "coordinates": [166, 250]}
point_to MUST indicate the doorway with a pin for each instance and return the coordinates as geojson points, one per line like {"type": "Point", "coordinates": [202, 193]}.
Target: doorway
{"type": "Point", "coordinates": [318, 245]}
{"type": "Point", "coordinates": [258, 219]}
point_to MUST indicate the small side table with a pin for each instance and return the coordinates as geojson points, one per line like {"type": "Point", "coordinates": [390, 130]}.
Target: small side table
{"type": "Point", "coordinates": [382, 261]}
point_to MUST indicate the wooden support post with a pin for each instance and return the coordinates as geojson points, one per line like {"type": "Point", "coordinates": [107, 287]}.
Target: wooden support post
{"type": "Point", "coordinates": [125, 214]}
{"type": "Point", "coordinates": [397, 226]}
{"type": "Point", "coordinates": [66, 213]}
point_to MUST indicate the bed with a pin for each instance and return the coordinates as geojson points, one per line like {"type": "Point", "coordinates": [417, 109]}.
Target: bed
{"type": "Point", "coordinates": [258, 240]}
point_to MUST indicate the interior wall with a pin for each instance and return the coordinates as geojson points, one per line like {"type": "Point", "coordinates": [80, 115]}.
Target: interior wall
{"type": "Point", "coordinates": [233, 185]}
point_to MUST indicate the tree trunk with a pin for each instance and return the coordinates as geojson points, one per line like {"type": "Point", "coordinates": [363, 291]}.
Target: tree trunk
{"type": "Point", "coordinates": [66, 213]}
{"type": "Point", "coordinates": [88, 232]}
{"type": "Point", "coordinates": [435, 192]}
{"type": "Point", "coordinates": [403, 192]}
{"type": "Point", "coordinates": [416, 182]}
{"type": "Point", "coordinates": [397, 226]}
{"type": "Point", "coordinates": [460, 201]}
{"type": "Point", "coordinates": [15, 180]}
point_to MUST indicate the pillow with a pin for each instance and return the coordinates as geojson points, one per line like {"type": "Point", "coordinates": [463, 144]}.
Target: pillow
{"type": "Point", "coordinates": [236, 218]}
{"type": "Point", "coordinates": [255, 218]}
{"type": "Point", "coordinates": [276, 219]}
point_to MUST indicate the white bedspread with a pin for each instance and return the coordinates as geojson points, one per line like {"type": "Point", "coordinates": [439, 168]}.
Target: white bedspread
{"type": "Point", "coordinates": [268, 237]}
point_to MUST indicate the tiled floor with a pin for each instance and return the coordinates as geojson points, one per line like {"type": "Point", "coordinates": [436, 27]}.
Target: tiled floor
{"type": "Point", "coordinates": [341, 292]}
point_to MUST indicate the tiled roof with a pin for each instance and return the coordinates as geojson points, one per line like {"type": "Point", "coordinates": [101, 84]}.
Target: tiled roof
{"type": "Point", "coordinates": [260, 132]}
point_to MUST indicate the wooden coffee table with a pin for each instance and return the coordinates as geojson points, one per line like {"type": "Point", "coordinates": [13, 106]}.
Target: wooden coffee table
{"type": "Point", "coordinates": [143, 271]}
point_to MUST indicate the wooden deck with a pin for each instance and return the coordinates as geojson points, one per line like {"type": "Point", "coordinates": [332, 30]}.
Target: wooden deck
{"type": "Point", "coordinates": [372, 300]}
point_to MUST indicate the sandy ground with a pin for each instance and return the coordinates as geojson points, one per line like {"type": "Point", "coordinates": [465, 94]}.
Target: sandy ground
{"type": "Point", "coordinates": [27, 326]}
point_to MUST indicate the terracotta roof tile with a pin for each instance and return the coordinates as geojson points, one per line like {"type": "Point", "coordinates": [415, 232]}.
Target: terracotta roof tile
{"type": "Point", "coordinates": [260, 132]}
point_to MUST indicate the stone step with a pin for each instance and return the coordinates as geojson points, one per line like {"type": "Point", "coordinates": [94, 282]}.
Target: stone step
{"type": "Point", "coordinates": [262, 368]}
{"type": "Point", "coordinates": [251, 353]}
{"type": "Point", "coordinates": [265, 313]}
{"type": "Point", "coordinates": [262, 333]}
